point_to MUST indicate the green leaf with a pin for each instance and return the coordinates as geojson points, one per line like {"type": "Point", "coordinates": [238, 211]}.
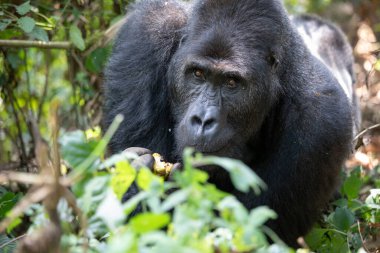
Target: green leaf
{"type": "Point", "coordinates": [343, 218]}
{"type": "Point", "coordinates": [146, 222]}
{"type": "Point", "coordinates": [316, 237]}
{"type": "Point", "coordinates": [243, 177]}
{"type": "Point", "coordinates": [159, 242]}
{"type": "Point", "coordinates": [121, 243]}
{"type": "Point", "coordinates": [122, 178]}
{"type": "Point", "coordinates": [260, 215]}
{"type": "Point", "coordinates": [325, 240]}
{"type": "Point", "coordinates": [39, 34]}
{"type": "Point", "coordinates": [7, 202]}
{"type": "Point", "coordinates": [96, 60]}
{"type": "Point", "coordinates": [14, 224]}
{"type": "Point", "coordinates": [9, 246]}
{"type": "Point", "coordinates": [351, 186]}
{"type": "Point", "coordinates": [132, 203]}
{"type": "Point", "coordinates": [75, 148]}
{"type": "Point", "coordinates": [91, 192]}
{"type": "Point", "coordinates": [175, 199]}
{"type": "Point", "coordinates": [374, 197]}
{"type": "Point", "coordinates": [76, 37]}
{"type": "Point", "coordinates": [145, 179]}
{"type": "Point", "coordinates": [26, 24]}
{"type": "Point", "coordinates": [232, 209]}
{"type": "Point", "coordinates": [247, 239]}
{"type": "Point", "coordinates": [14, 59]}
{"type": "Point", "coordinates": [111, 211]}
{"type": "Point", "coordinates": [23, 8]}
{"type": "Point", "coordinates": [338, 243]}
{"type": "Point", "coordinates": [4, 24]}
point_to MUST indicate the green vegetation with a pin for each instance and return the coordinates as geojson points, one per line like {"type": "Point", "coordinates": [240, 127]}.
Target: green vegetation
{"type": "Point", "coordinates": [51, 57]}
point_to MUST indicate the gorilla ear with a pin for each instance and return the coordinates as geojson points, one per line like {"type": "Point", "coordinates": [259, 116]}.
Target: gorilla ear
{"type": "Point", "coordinates": [273, 61]}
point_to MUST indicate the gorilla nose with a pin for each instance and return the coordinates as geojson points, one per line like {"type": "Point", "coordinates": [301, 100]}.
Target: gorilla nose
{"type": "Point", "coordinates": [205, 123]}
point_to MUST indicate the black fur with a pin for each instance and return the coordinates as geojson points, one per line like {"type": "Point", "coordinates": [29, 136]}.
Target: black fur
{"type": "Point", "coordinates": [284, 114]}
{"type": "Point", "coordinates": [328, 43]}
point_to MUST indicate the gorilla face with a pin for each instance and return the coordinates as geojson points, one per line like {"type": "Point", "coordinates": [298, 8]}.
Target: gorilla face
{"type": "Point", "coordinates": [221, 91]}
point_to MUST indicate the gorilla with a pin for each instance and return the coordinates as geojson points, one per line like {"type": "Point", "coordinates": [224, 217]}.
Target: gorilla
{"type": "Point", "coordinates": [234, 78]}
{"type": "Point", "coordinates": [328, 43]}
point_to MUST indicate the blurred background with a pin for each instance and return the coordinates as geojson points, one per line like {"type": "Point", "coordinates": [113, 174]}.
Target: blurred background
{"type": "Point", "coordinates": [77, 38]}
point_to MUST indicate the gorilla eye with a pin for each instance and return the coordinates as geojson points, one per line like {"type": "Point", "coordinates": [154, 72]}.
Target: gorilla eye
{"type": "Point", "coordinates": [231, 83]}
{"type": "Point", "coordinates": [199, 73]}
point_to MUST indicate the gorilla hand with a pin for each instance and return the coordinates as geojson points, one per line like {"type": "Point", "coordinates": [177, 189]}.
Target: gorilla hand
{"type": "Point", "coordinates": [147, 159]}
{"type": "Point", "coordinates": [153, 161]}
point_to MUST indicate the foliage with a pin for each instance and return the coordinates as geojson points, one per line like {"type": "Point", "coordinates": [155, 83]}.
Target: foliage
{"type": "Point", "coordinates": [354, 219]}
{"type": "Point", "coordinates": [197, 216]}
{"type": "Point", "coordinates": [186, 214]}
{"type": "Point", "coordinates": [30, 77]}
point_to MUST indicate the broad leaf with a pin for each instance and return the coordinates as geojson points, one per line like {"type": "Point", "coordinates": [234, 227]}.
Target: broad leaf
{"type": "Point", "coordinates": [7, 245]}
{"type": "Point", "coordinates": [7, 202]}
{"type": "Point", "coordinates": [111, 211]}
{"type": "Point", "coordinates": [351, 186]}
{"type": "Point", "coordinates": [4, 24]}
{"type": "Point", "coordinates": [122, 178]}
{"type": "Point", "coordinates": [27, 24]}
{"type": "Point", "coordinates": [175, 199]}
{"type": "Point", "coordinates": [96, 60]}
{"type": "Point", "coordinates": [243, 177]}
{"type": "Point", "coordinates": [76, 37]}
{"type": "Point", "coordinates": [146, 222]}
{"type": "Point", "coordinates": [23, 8]}
{"type": "Point", "coordinates": [343, 218]}
{"type": "Point", "coordinates": [260, 215]}
{"type": "Point", "coordinates": [39, 34]}
{"type": "Point", "coordinates": [146, 179]}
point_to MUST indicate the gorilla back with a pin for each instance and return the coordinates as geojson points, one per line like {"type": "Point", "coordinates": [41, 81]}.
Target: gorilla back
{"type": "Point", "coordinates": [232, 78]}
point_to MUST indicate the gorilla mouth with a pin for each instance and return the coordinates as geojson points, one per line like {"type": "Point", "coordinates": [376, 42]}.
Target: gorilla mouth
{"type": "Point", "coordinates": [210, 150]}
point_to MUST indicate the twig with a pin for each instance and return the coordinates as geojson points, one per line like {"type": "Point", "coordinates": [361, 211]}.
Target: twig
{"type": "Point", "coordinates": [14, 141]}
{"type": "Point", "coordinates": [9, 166]}
{"type": "Point", "coordinates": [23, 155]}
{"type": "Point", "coordinates": [71, 200]}
{"type": "Point", "coordinates": [13, 240]}
{"type": "Point", "coordinates": [29, 178]}
{"type": "Point", "coordinates": [79, 62]}
{"type": "Point", "coordinates": [31, 197]}
{"type": "Point", "coordinates": [71, 71]}
{"type": "Point", "coordinates": [365, 131]}
{"type": "Point", "coordinates": [38, 44]}
{"type": "Point", "coordinates": [44, 93]}
{"type": "Point", "coordinates": [361, 237]}
{"type": "Point", "coordinates": [29, 103]}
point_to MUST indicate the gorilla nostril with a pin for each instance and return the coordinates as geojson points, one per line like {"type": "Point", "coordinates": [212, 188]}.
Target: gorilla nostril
{"type": "Point", "coordinates": [209, 123]}
{"type": "Point", "coordinates": [195, 120]}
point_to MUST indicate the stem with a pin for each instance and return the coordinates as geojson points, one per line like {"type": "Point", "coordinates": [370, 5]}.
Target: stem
{"type": "Point", "coordinates": [366, 131]}
{"type": "Point", "coordinates": [38, 44]}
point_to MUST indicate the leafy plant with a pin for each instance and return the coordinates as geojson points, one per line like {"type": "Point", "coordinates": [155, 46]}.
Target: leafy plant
{"type": "Point", "coordinates": [353, 222]}
{"type": "Point", "coordinates": [186, 214]}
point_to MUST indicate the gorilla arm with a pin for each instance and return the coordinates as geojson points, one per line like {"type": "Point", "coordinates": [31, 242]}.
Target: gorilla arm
{"type": "Point", "coordinates": [136, 82]}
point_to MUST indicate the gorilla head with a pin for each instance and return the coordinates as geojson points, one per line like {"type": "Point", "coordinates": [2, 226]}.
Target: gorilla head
{"type": "Point", "coordinates": [223, 77]}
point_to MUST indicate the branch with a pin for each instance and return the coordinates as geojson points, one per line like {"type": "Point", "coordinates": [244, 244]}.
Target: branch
{"type": "Point", "coordinates": [38, 44]}
{"type": "Point", "coordinates": [29, 178]}
{"type": "Point", "coordinates": [366, 131]}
